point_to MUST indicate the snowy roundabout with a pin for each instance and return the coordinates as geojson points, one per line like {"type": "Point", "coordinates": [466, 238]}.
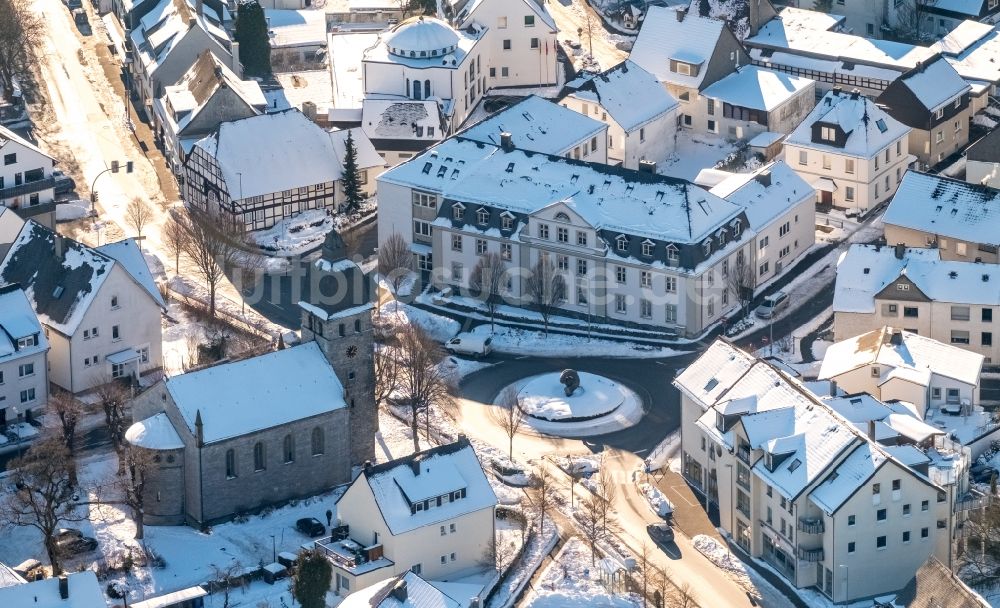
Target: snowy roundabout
{"type": "Point", "coordinates": [596, 404]}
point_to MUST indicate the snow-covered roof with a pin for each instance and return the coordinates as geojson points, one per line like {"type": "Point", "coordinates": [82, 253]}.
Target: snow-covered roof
{"type": "Point", "coordinates": [270, 153]}
{"type": "Point", "coordinates": [617, 90]}
{"type": "Point", "coordinates": [850, 475]}
{"type": "Point", "coordinates": [440, 471]}
{"type": "Point", "coordinates": [935, 83]}
{"type": "Point", "coordinates": [128, 253]}
{"type": "Point", "coordinates": [844, 68]}
{"type": "Point", "coordinates": [84, 592]}
{"type": "Point", "coordinates": [18, 320]}
{"type": "Point", "coordinates": [162, 29]}
{"type": "Point", "coordinates": [169, 600]}
{"type": "Point", "coordinates": [258, 393]}
{"type": "Point", "coordinates": [538, 125]}
{"type": "Point", "coordinates": [951, 208]}
{"type": "Point", "coordinates": [962, 37]}
{"type": "Point", "coordinates": [608, 198]}
{"type": "Point", "coordinates": [757, 88]}
{"type": "Point", "coordinates": [865, 270]}
{"type": "Point", "coordinates": [664, 37]}
{"type": "Point", "coordinates": [188, 97]}
{"type": "Point", "coordinates": [297, 88]}
{"type": "Point", "coordinates": [538, 8]}
{"type": "Point", "coordinates": [424, 43]}
{"type": "Point", "coordinates": [893, 349]}
{"type": "Point", "coordinates": [8, 577]}
{"type": "Point", "coordinates": [417, 593]}
{"type": "Point", "coordinates": [9, 137]}
{"type": "Point", "coordinates": [813, 20]}
{"type": "Point", "coordinates": [765, 193]}
{"type": "Point", "coordinates": [290, 28]}
{"type": "Point", "coordinates": [346, 51]}
{"type": "Point", "coordinates": [397, 119]}
{"type": "Point", "coordinates": [973, 49]}
{"type": "Point", "coordinates": [62, 287]}
{"type": "Point", "coordinates": [868, 127]}
{"type": "Point", "coordinates": [154, 433]}
{"type": "Point", "coordinates": [970, 8]}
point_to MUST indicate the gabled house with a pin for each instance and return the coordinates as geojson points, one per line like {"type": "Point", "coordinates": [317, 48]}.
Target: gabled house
{"type": "Point", "coordinates": [26, 181]}
{"type": "Point", "coordinates": [636, 131]}
{"type": "Point", "coordinates": [24, 385]}
{"type": "Point", "coordinates": [258, 170]}
{"type": "Point", "coordinates": [935, 586]}
{"type": "Point", "coordinates": [933, 100]}
{"type": "Point", "coordinates": [207, 95]}
{"type": "Point", "coordinates": [754, 100]}
{"type": "Point", "coordinates": [893, 364]}
{"type": "Point", "coordinates": [982, 160]}
{"type": "Point", "coordinates": [73, 590]}
{"type": "Point", "coordinates": [400, 128]}
{"type": "Point", "coordinates": [100, 307]}
{"type": "Point", "coordinates": [956, 218]}
{"type": "Point", "coordinates": [850, 150]}
{"type": "Point", "coordinates": [168, 40]}
{"type": "Point", "coordinates": [430, 513]}
{"type": "Point", "coordinates": [408, 590]}
{"type": "Point", "coordinates": [687, 53]}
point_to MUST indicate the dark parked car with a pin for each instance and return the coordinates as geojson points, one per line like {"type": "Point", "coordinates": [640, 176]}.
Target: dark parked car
{"type": "Point", "coordinates": [73, 4]}
{"type": "Point", "coordinates": [982, 473]}
{"type": "Point", "coordinates": [661, 533]}
{"type": "Point", "coordinates": [63, 182]}
{"type": "Point", "coordinates": [310, 526]}
{"type": "Point", "coordinates": [75, 545]}
{"type": "Point", "coordinates": [65, 534]}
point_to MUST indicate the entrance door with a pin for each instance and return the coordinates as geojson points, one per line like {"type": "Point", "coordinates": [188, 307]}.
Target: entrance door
{"type": "Point", "coordinates": [826, 197]}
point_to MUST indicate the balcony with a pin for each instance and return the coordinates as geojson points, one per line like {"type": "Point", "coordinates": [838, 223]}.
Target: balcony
{"type": "Point", "coordinates": [28, 188]}
{"type": "Point", "coordinates": [973, 499]}
{"type": "Point", "coordinates": [810, 555]}
{"type": "Point", "coordinates": [810, 525]}
{"type": "Point", "coordinates": [351, 556]}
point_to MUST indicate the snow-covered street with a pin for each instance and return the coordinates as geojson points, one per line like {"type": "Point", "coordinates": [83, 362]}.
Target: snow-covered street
{"type": "Point", "coordinates": [574, 16]}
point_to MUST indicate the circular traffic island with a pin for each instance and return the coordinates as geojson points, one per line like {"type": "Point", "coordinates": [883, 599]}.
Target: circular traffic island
{"type": "Point", "coordinates": [596, 405]}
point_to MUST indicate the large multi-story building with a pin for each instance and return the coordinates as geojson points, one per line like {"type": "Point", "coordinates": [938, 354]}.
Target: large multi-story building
{"type": "Point", "coordinates": [850, 151]}
{"type": "Point", "coordinates": [810, 491]}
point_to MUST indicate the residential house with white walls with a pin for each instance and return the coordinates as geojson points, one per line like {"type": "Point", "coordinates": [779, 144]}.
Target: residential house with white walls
{"type": "Point", "coordinates": [972, 49]}
{"type": "Point", "coordinates": [24, 369]}
{"type": "Point", "coordinates": [408, 590]}
{"type": "Point", "coordinates": [100, 307]}
{"type": "Point", "coordinates": [914, 289]}
{"type": "Point", "coordinates": [894, 364]}
{"type": "Point", "coordinates": [25, 174]}
{"type": "Point", "coordinates": [208, 95]}
{"type": "Point", "coordinates": [258, 170]}
{"type": "Point", "coordinates": [539, 125]}
{"type": "Point", "coordinates": [430, 513]}
{"type": "Point", "coordinates": [168, 40]}
{"type": "Point", "coordinates": [297, 39]}
{"type": "Point", "coordinates": [76, 589]}
{"type": "Point", "coordinates": [956, 218]}
{"type": "Point", "coordinates": [753, 100]}
{"type": "Point", "coordinates": [850, 150]}
{"type": "Point", "coordinates": [933, 100]}
{"type": "Point", "coordinates": [687, 53]}
{"type": "Point", "coordinates": [801, 487]}
{"type": "Point", "coordinates": [982, 160]}
{"type": "Point", "coordinates": [781, 211]}
{"type": "Point", "coordinates": [637, 131]}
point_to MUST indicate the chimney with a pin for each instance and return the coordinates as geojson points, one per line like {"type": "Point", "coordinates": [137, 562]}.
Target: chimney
{"type": "Point", "coordinates": [415, 467]}
{"type": "Point", "coordinates": [217, 70]}
{"type": "Point", "coordinates": [309, 109]}
{"type": "Point", "coordinates": [647, 166]}
{"type": "Point", "coordinates": [474, 603]}
{"type": "Point", "coordinates": [399, 591]}
{"type": "Point", "coordinates": [234, 50]}
{"type": "Point", "coordinates": [506, 141]}
{"type": "Point", "coordinates": [681, 13]}
{"type": "Point", "coordinates": [871, 430]}
{"type": "Point", "coordinates": [63, 587]}
{"type": "Point", "coordinates": [833, 388]}
{"type": "Point", "coordinates": [896, 338]}
{"type": "Point", "coordinates": [855, 94]}
{"type": "Point", "coordinates": [764, 179]}
{"type": "Point", "coordinates": [837, 91]}
{"type": "Point", "coordinates": [60, 247]}
{"type": "Point", "coordinates": [754, 17]}
{"type": "Point", "coordinates": [368, 467]}
{"type": "Point", "coordinates": [900, 250]}
{"type": "Point", "coordinates": [199, 429]}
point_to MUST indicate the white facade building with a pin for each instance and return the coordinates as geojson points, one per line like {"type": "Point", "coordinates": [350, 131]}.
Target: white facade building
{"type": "Point", "coordinates": [753, 100]}
{"type": "Point", "coordinates": [431, 513]}
{"type": "Point", "coordinates": [850, 150]}
{"type": "Point", "coordinates": [24, 385]}
{"type": "Point", "coordinates": [100, 307]}
{"type": "Point", "coordinates": [803, 488]}
{"type": "Point", "coordinates": [982, 160]}
{"type": "Point", "coordinates": [637, 131]}
{"type": "Point", "coordinates": [25, 173]}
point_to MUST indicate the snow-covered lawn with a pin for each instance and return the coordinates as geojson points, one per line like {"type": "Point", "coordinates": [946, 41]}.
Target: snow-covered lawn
{"type": "Point", "coordinates": [517, 341]}
{"type": "Point", "coordinates": [395, 313]}
{"type": "Point", "coordinates": [295, 235]}
{"type": "Point", "coordinates": [72, 210]}
{"type": "Point", "coordinates": [572, 580]}
{"type": "Point", "coordinates": [544, 397]}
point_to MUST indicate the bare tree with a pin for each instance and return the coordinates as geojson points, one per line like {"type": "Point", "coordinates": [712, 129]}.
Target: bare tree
{"type": "Point", "coordinates": [590, 517]}
{"type": "Point", "coordinates": [424, 383]}
{"type": "Point", "coordinates": [113, 398]}
{"type": "Point", "coordinates": [138, 214]}
{"type": "Point", "coordinates": [540, 496]}
{"type": "Point", "coordinates": [20, 33]}
{"type": "Point", "coordinates": [546, 287]}
{"type": "Point", "coordinates": [173, 239]}
{"type": "Point", "coordinates": [395, 260]}
{"type": "Point", "coordinates": [645, 571]}
{"type": "Point", "coordinates": [508, 415]}
{"type": "Point", "coordinates": [682, 595]}
{"type": "Point", "coordinates": [213, 248]}
{"type": "Point", "coordinates": [133, 472]}
{"type": "Point", "coordinates": [43, 498]}
{"type": "Point", "coordinates": [227, 577]}
{"type": "Point", "coordinates": [661, 586]}
{"type": "Point", "coordinates": [740, 282]}
{"type": "Point", "coordinates": [388, 374]}
{"type": "Point", "coordinates": [488, 281]}
{"type": "Point", "coordinates": [69, 410]}
{"type": "Point", "coordinates": [607, 491]}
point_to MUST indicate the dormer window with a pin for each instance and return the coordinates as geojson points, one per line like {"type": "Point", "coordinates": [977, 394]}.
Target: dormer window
{"type": "Point", "coordinates": [828, 133]}
{"type": "Point", "coordinates": [458, 211]}
{"type": "Point", "coordinates": [483, 216]}
{"type": "Point", "coordinates": [506, 221]}
{"type": "Point", "coordinates": [647, 247]}
{"type": "Point", "coordinates": [682, 68]}
{"type": "Point", "coordinates": [673, 255]}
{"type": "Point", "coordinates": [621, 242]}
{"type": "Point", "coordinates": [722, 237]}
{"type": "Point", "coordinates": [737, 226]}
{"type": "Point", "coordinates": [707, 246]}
{"type": "Point", "coordinates": [27, 342]}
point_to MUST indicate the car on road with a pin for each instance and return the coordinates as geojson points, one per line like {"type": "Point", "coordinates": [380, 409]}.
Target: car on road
{"type": "Point", "coordinates": [80, 18]}
{"type": "Point", "coordinates": [661, 533]}
{"type": "Point", "coordinates": [63, 534]}
{"type": "Point", "coordinates": [470, 344]}
{"type": "Point", "coordinates": [74, 4]}
{"type": "Point", "coordinates": [63, 183]}
{"type": "Point", "coordinates": [310, 526]}
{"type": "Point", "coordinates": [772, 305]}
{"type": "Point", "coordinates": [76, 545]}
{"type": "Point", "coordinates": [982, 473]}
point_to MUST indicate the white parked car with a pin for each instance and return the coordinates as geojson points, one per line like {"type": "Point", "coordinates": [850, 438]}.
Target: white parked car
{"type": "Point", "coordinates": [772, 305]}
{"type": "Point", "coordinates": [470, 344]}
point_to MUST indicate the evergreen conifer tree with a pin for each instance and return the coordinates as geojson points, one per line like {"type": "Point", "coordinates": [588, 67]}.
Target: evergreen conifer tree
{"type": "Point", "coordinates": [251, 33]}
{"type": "Point", "coordinates": [352, 177]}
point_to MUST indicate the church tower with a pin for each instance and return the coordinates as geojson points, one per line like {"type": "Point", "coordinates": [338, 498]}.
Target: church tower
{"type": "Point", "coordinates": [338, 316]}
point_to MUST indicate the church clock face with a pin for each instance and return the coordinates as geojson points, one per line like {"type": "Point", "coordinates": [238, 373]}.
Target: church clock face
{"type": "Point", "coordinates": [352, 351]}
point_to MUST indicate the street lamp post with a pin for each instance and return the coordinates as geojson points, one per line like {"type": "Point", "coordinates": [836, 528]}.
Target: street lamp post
{"type": "Point", "coordinates": [274, 551]}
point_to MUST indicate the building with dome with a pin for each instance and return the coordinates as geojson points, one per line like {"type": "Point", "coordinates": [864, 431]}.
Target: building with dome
{"type": "Point", "coordinates": [242, 435]}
